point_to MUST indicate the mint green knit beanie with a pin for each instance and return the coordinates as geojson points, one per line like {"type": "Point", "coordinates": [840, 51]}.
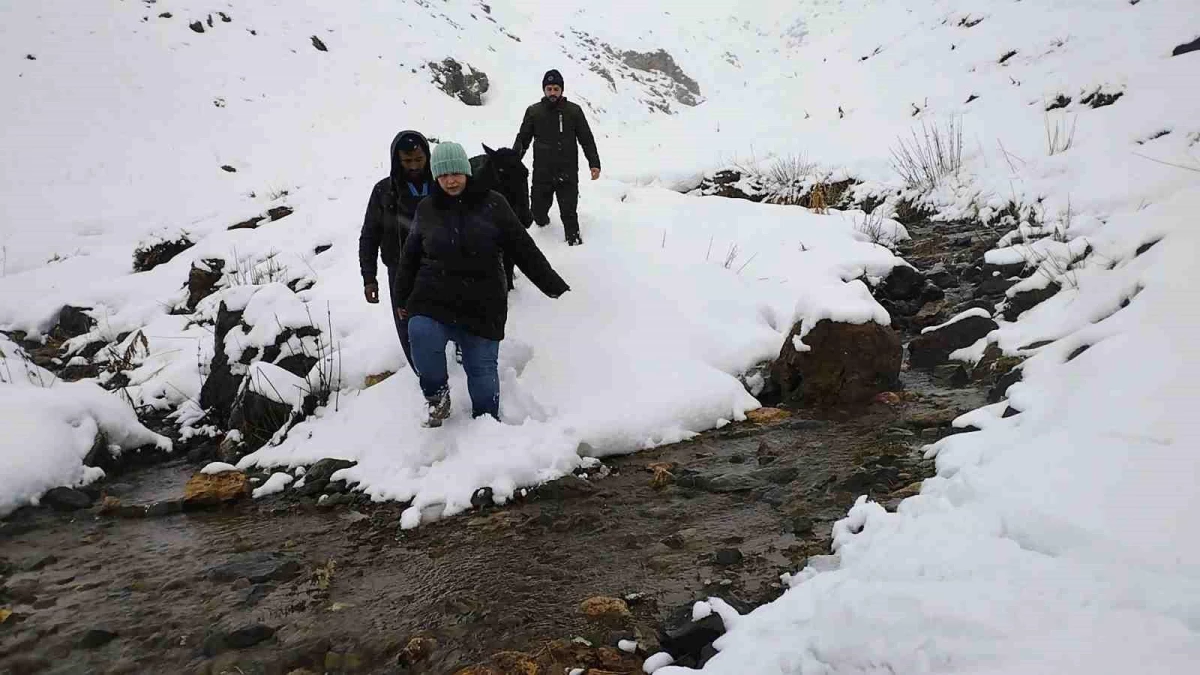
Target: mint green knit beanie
{"type": "Point", "coordinates": [447, 158]}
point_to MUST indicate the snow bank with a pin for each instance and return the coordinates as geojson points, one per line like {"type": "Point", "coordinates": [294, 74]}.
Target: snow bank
{"type": "Point", "coordinates": [48, 430]}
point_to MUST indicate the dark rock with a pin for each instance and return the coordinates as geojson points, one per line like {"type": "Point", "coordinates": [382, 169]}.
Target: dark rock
{"type": "Point", "coordinates": [902, 283]}
{"type": "Point", "coordinates": [1060, 101]}
{"type": "Point", "coordinates": [1186, 48]}
{"type": "Point", "coordinates": [934, 347]}
{"type": "Point", "coordinates": [1100, 98]}
{"type": "Point", "coordinates": [248, 636]}
{"type": "Point", "coordinates": [224, 17]}
{"type": "Point", "coordinates": [940, 276]}
{"type": "Point", "coordinates": [998, 392]}
{"type": "Point", "coordinates": [146, 259]}
{"type": "Point", "coordinates": [1076, 352]}
{"type": "Point", "coordinates": [66, 499]}
{"type": "Point", "coordinates": [228, 169]}
{"type": "Point", "coordinates": [257, 417]}
{"type": "Point", "coordinates": [994, 286]}
{"type": "Point", "coordinates": [257, 567]}
{"type": "Point", "coordinates": [565, 488]}
{"type": "Point", "coordinates": [96, 637]}
{"type": "Point", "coordinates": [203, 279]}
{"type": "Point", "coordinates": [728, 556]}
{"type": "Point", "coordinates": [196, 26]}
{"type": "Point", "coordinates": [336, 487]}
{"type": "Point", "coordinates": [468, 87]}
{"type": "Point", "coordinates": [1005, 270]}
{"type": "Point", "coordinates": [685, 639]}
{"type": "Point", "coordinates": [42, 562]}
{"type": "Point", "coordinates": [482, 497]}
{"type": "Point", "coordinates": [324, 469]}
{"type": "Point", "coordinates": [952, 374]}
{"type": "Point", "coordinates": [1023, 301]}
{"type": "Point", "coordinates": [846, 363]}
{"type": "Point", "coordinates": [73, 322]}
{"type": "Point", "coordinates": [312, 488]}
{"type": "Point", "coordinates": [257, 593]}
{"type": "Point", "coordinates": [1010, 412]}
{"type": "Point", "coordinates": [1145, 247]}
{"type": "Point", "coordinates": [318, 44]}
{"type": "Point", "coordinates": [321, 248]}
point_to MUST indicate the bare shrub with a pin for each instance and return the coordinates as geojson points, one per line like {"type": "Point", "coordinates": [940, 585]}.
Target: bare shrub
{"type": "Point", "coordinates": [252, 271]}
{"type": "Point", "coordinates": [1059, 136]}
{"type": "Point", "coordinates": [931, 156]}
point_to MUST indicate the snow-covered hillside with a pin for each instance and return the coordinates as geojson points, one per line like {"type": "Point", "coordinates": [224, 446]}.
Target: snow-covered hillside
{"type": "Point", "coordinates": [1053, 540]}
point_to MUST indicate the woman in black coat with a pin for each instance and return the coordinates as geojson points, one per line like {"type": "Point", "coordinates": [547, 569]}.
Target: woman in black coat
{"type": "Point", "coordinates": [451, 286]}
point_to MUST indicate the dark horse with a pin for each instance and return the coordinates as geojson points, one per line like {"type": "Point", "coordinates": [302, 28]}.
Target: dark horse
{"type": "Point", "coordinates": [503, 171]}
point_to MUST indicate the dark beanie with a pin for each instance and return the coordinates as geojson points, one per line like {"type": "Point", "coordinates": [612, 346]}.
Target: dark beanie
{"type": "Point", "coordinates": [552, 77]}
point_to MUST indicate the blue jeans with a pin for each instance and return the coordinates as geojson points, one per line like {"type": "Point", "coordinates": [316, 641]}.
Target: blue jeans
{"type": "Point", "coordinates": [428, 339]}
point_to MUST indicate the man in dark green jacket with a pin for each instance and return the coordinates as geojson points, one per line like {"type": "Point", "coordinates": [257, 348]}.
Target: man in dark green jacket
{"type": "Point", "coordinates": [555, 126]}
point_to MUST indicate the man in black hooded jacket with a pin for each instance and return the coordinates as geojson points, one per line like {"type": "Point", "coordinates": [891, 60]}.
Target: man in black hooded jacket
{"type": "Point", "coordinates": [389, 218]}
{"type": "Point", "coordinates": [555, 125]}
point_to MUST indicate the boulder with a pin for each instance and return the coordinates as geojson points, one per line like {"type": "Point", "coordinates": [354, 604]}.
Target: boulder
{"type": "Point", "coordinates": [902, 283]}
{"type": "Point", "coordinates": [66, 499]}
{"type": "Point", "coordinates": [1024, 301]}
{"type": "Point", "coordinates": [73, 322]}
{"type": "Point", "coordinates": [209, 489]}
{"type": "Point", "coordinates": [934, 347]}
{"type": "Point", "coordinates": [324, 469]}
{"type": "Point", "coordinates": [256, 567]}
{"type": "Point", "coordinates": [846, 363]}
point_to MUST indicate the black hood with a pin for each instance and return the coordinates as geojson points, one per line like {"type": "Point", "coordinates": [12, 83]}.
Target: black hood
{"type": "Point", "coordinates": [397, 172]}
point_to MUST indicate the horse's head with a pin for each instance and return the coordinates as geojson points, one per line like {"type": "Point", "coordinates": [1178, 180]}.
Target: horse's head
{"type": "Point", "coordinates": [509, 170]}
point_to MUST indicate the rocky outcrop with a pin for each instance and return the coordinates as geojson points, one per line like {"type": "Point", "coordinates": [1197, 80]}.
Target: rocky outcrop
{"type": "Point", "coordinates": [146, 258]}
{"type": "Point", "coordinates": [845, 363]}
{"type": "Point", "coordinates": [468, 86]}
{"type": "Point", "coordinates": [221, 387]}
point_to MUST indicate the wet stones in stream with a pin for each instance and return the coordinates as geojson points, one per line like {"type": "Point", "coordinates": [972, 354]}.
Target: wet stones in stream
{"type": "Point", "coordinates": [255, 567]}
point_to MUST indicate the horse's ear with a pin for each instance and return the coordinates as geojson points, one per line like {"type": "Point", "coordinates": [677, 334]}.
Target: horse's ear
{"type": "Point", "coordinates": [490, 152]}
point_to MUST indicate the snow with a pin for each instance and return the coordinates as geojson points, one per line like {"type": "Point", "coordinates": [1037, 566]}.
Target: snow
{"type": "Point", "coordinates": [655, 662]}
{"type": "Point", "coordinates": [275, 484]}
{"type": "Point", "coordinates": [213, 468]}
{"type": "Point", "coordinates": [49, 427]}
{"type": "Point", "coordinates": [701, 610]}
{"type": "Point", "coordinates": [1057, 540]}
{"type": "Point", "coordinates": [628, 646]}
{"type": "Point", "coordinates": [976, 311]}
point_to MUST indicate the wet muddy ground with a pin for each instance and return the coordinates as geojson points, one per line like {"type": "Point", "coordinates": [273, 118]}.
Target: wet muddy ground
{"type": "Point", "coordinates": [281, 584]}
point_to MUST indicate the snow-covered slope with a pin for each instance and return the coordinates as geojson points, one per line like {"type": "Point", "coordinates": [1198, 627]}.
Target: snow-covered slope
{"type": "Point", "coordinates": [1056, 540]}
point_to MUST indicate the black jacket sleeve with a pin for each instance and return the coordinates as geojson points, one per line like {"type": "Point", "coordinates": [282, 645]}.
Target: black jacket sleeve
{"type": "Point", "coordinates": [525, 135]}
{"type": "Point", "coordinates": [587, 141]}
{"type": "Point", "coordinates": [522, 250]}
{"type": "Point", "coordinates": [410, 263]}
{"type": "Point", "coordinates": [371, 237]}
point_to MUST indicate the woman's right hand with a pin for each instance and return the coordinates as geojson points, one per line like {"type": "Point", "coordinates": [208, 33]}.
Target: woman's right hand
{"type": "Point", "coordinates": [402, 313]}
